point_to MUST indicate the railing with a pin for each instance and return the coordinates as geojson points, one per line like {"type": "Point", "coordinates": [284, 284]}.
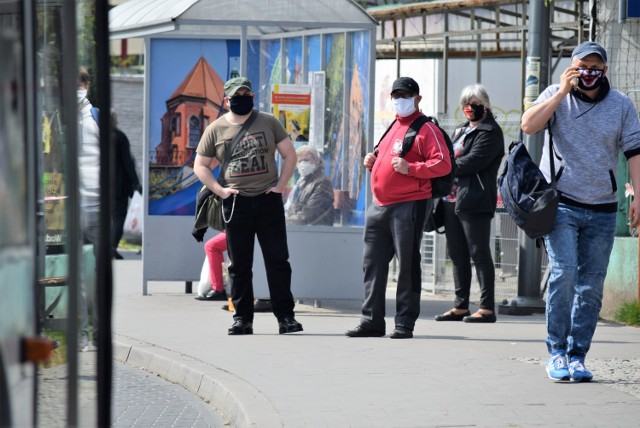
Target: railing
{"type": "Point", "coordinates": [437, 276]}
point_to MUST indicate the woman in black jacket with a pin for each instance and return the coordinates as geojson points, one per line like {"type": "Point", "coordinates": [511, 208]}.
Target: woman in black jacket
{"type": "Point", "coordinates": [479, 147]}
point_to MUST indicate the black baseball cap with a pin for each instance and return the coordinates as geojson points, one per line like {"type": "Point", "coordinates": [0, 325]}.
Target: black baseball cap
{"type": "Point", "coordinates": [587, 48]}
{"type": "Point", "coordinates": [406, 84]}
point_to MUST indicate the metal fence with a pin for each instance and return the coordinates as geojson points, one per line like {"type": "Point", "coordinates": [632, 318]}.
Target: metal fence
{"type": "Point", "coordinates": [437, 276]}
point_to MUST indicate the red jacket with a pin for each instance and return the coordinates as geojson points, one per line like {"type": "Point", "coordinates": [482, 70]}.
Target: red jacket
{"type": "Point", "coordinates": [428, 158]}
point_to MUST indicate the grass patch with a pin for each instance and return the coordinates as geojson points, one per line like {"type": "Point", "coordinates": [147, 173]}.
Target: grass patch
{"type": "Point", "coordinates": [59, 355]}
{"type": "Point", "coordinates": [628, 313]}
{"type": "Point", "coordinates": [125, 245]}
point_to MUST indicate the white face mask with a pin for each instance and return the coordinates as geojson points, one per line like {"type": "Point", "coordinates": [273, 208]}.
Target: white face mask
{"type": "Point", "coordinates": [82, 94]}
{"type": "Point", "coordinates": [404, 106]}
{"type": "Point", "coordinates": [305, 168]}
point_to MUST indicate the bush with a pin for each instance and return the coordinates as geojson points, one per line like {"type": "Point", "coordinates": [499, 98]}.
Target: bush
{"type": "Point", "coordinates": [628, 313]}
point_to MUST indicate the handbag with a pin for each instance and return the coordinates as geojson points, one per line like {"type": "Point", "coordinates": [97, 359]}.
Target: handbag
{"type": "Point", "coordinates": [215, 210]}
{"type": "Point", "coordinates": [214, 213]}
{"type": "Point", "coordinates": [529, 199]}
{"type": "Point", "coordinates": [435, 219]}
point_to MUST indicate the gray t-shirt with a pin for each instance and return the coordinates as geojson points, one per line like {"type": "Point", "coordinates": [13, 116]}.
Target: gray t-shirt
{"type": "Point", "coordinates": [587, 140]}
{"type": "Point", "coordinates": [252, 168]}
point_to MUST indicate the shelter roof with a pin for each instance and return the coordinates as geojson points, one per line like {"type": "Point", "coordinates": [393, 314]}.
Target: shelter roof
{"type": "Point", "coordinates": [493, 27]}
{"type": "Point", "coordinates": [226, 18]}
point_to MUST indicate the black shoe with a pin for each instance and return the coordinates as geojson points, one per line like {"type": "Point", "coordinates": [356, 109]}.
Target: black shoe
{"type": "Point", "coordinates": [117, 255]}
{"type": "Point", "coordinates": [483, 318]}
{"type": "Point", "coordinates": [451, 316]}
{"type": "Point", "coordinates": [361, 331]}
{"type": "Point", "coordinates": [241, 327]}
{"type": "Point", "coordinates": [214, 295]}
{"type": "Point", "coordinates": [289, 325]}
{"type": "Point", "coordinates": [401, 332]}
{"type": "Point", "coordinates": [262, 305]}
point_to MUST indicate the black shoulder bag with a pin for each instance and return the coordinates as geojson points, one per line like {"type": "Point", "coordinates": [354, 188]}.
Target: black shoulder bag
{"type": "Point", "coordinates": [529, 199]}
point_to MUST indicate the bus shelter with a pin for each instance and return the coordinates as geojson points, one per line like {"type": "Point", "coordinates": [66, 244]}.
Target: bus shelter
{"type": "Point", "coordinates": [311, 64]}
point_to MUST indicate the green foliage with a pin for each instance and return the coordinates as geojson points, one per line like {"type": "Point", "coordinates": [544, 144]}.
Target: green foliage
{"type": "Point", "coordinates": [59, 355]}
{"type": "Point", "coordinates": [628, 313]}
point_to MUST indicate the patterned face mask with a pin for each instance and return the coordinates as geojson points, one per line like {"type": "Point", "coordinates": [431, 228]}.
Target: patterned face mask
{"type": "Point", "coordinates": [589, 78]}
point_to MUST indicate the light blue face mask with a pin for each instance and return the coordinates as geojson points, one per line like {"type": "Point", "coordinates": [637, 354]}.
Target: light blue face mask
{"type": "Point", "coordinates": [404, 106]}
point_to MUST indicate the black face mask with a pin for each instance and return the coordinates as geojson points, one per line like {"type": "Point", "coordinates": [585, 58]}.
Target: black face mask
{"type": "Point", "coordinates": [241, 105]}
{"type": "Point", "coordinates": [478, 112]}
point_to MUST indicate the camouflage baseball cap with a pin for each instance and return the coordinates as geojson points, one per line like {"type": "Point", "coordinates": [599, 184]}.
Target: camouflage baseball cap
{"type": "Point", "coordinates": [234, 84]}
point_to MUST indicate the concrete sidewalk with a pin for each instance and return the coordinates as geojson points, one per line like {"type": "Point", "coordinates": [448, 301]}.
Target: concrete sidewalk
{"type": "Point", "coordinates": [449, 374]}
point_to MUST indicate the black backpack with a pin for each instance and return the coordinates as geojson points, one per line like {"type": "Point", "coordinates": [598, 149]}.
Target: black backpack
{"type": "Point", "coordinates": [440, 186]}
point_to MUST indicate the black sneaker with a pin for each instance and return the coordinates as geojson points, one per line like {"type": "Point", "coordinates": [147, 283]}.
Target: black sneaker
{"type": "Point", "coordinates": [361, 331]}
{"type": "Point", "coordinates": [401, 332]}
{"type": "Point", "coordinates": [214, 295]}
{"type": "Point", "coordinates": [240, 327]}
{"type": "Point", "coordinates": [289, 325]}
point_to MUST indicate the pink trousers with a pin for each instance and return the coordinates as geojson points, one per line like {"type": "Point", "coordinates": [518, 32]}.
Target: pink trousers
{"type": "Point", "coordinates": [214, 248]}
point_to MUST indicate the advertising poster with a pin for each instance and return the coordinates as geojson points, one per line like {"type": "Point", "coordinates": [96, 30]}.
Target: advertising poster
{"type": "Point", "coordinates": [186, 95]}
{"type": "Point", "coordinates": [292, 104]}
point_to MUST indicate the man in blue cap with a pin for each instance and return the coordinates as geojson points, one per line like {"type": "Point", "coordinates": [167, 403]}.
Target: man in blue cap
{"type": "Point", "coordinates": [591, 124]}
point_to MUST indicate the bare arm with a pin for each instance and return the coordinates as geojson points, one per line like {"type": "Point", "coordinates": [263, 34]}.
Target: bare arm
{"type": "Point", "coordinates": [536, 117]}
{"type": "Point", "coordinates": [634, 208]}
{"type": "Point", "coordinates": [202, 167]}
{"type": "Point", "coordinates": [289, 159]}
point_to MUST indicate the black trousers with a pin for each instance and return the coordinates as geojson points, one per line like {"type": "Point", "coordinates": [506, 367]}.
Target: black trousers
{"type": "Point", "coordinates": [468, 236]}
{"type": "Point", "coordinates": [262, 217]}
{"type": "Point", "coordinates": [395, 229]}
{"type": "Point", "coordinates": [119, 216]}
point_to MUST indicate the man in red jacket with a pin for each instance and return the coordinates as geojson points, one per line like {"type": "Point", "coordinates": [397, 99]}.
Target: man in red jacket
{"type": "Point", "coordinates": [395, 220]}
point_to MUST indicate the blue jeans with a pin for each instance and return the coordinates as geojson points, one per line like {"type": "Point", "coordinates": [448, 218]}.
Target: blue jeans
{"type": "Point", "coordinates": [579, 247]}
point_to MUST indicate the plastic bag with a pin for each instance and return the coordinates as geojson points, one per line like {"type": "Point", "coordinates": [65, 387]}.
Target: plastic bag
{"type": "Point", "coordinates": [204, 286]}
{"type": "Point", "coordinates": [133, 221]}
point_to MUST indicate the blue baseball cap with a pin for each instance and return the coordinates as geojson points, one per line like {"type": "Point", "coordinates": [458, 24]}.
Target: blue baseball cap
{"type": "Point", "coordinates": [588, 48]}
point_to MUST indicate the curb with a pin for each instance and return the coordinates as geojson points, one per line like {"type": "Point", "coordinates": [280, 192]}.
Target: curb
{"type": "Point", "coordinates": [240, 402]}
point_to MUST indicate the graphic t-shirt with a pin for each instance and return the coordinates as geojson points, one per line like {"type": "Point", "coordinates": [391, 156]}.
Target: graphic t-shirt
{"type": "Point", "coordinates": [252, 169]}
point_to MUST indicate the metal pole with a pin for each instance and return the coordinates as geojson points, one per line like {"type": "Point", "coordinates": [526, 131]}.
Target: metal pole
{"type": "Point", "coordinates": [104, 277]}
{"type": "Point", "coordinates": [73, 238]}
{"type": "Point", "coordinates": [530, 255]}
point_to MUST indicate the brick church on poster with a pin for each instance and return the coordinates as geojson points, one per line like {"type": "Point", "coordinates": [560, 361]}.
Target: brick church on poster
{"type": "Point", "coordinates": [191, 108]}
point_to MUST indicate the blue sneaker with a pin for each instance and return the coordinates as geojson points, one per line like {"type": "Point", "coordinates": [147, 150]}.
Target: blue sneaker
{"type": "Point", "coordinates": [578, 371]}
{"type": "Point", "coordinates": [557, 367]}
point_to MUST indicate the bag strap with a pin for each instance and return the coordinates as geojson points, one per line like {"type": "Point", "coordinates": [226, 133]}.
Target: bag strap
{"type": "Point", "coordinates": [552, 167]}
{"type": "Point", "coordinates": [409, 137]}
{"type": "Point", "coordinates": [375, 148]}
{"type": "Point", "coordinates": [234, 143]}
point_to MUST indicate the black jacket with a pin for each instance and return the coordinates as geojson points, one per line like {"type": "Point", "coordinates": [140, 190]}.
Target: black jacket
{"type": "Point", "coordinates": [127, 180]}
{"type": "Point", "coordinates": [200, 225]}
{"type": "Point", "coordinates": [477, 167]}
